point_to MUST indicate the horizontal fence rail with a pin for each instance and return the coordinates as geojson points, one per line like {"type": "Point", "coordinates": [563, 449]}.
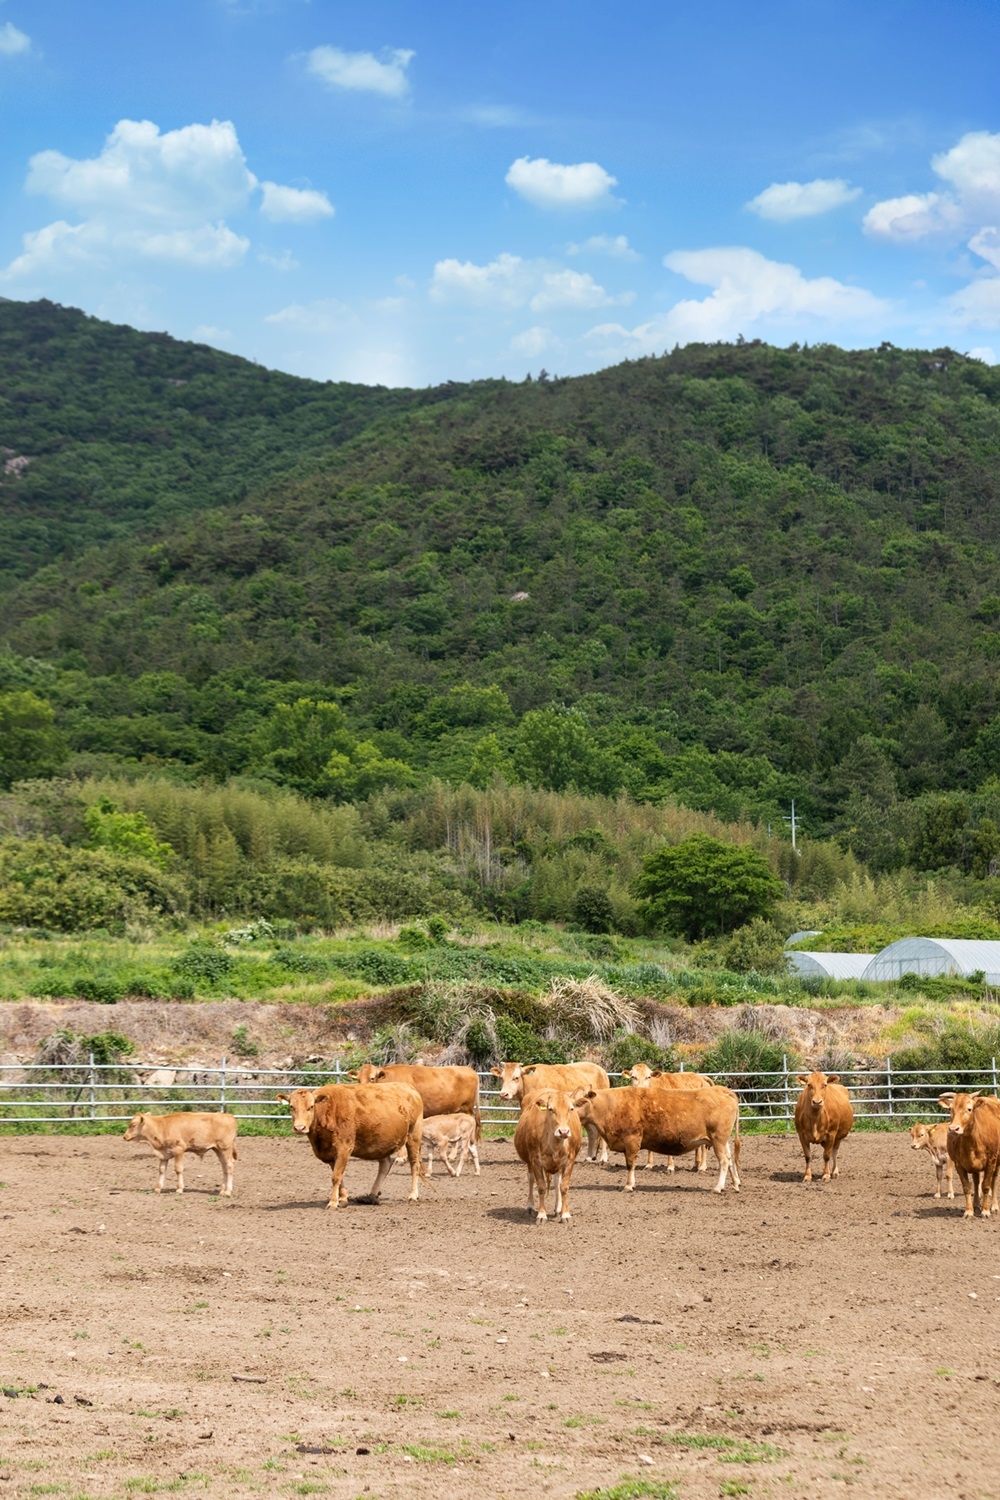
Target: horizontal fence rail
{"type": "Point", "coordinates": [102, 1094]}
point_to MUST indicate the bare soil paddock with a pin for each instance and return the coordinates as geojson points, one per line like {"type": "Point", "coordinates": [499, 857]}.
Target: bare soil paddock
{"type": "Point", "coordinates": [790, 1341]}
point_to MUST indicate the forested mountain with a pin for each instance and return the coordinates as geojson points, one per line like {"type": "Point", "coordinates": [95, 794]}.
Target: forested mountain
{"type": "Point", "coordinates": [732, 575]}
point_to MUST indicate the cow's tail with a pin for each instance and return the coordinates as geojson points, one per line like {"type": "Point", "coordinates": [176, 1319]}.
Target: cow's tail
{"type": "Point", "coordinates": [736, 1138]}
{"type": "Point", "coordinates": [477, 1116]}
{"type": "Point", "coordinates": [236, 1154]}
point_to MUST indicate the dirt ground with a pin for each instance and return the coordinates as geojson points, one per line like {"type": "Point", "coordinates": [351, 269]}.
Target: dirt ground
{"type": "Point", "coordinates": [782, 1342]}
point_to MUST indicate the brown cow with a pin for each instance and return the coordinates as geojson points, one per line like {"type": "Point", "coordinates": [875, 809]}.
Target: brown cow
{"type": "Point", "coordinates": [172, 1135]}
{"type": "Point", "coordinates": [671, 1122]}
{"type": "Point", "coordinates": [369, 1121]}
{"type": "Point", "coordinates": [974, 1147]}
{"type": "Point", "coordinates": [548, 1140]}
{"type": "Point", "coordinates": [934, 1140]}
{"type": "Point", "coordinates": [444, 1091]}
{"type": "Point", "coordinates": [823, 1117]}
{"type": "Point", "coordinates": [642, 1076]}
{"type": "Point", "coordinates": [518, 1080]}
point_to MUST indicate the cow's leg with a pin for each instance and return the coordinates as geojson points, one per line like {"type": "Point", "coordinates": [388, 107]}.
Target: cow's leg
{"type": "Point", "coordinates": [161, 1175]}
{"type": "Point", "coordinates": [649, 1161]}
{"type": "Point", "coordinates": [338, 1193]}
{"type": "Point", "coordinates": [430, 1158]}
{"type": "Point", "coordinates": [951, 1177]}
{"type": "Point", "coordinates": [414, 1141]}
{"type": "Point", "coordinates": [836, 1151]}
{"type": "Point", "coordinates": [179, 1167]}
{"type": "Point", "coordinates": [593, 1137]}
{"type": "Point", "coordinates": [701, 1158]}
{"type": "Point", "coordinates": [474, 1153]}
{"type": "Point", "coordinates": [734, 1166]}
{"type": "Point", "coordinates": [633, 1145]}
{"type": "Point", "coordinates": [968, 1188]}
{"type": "Point", "coordinates": [721, 1149]}
{"type": "Point", "coordinates": [531, 1190]}
{"type": "Point", "coordinates": [671, 1164]}
{"type": "Point", "coordinates": [225, 1159]}
{"type": "Point", "coordinates": [562, 1200]}
{"type": "Point", "coordinates": [939, 1170]}
{"type": "Point", "coordinates": [542, 1184]}
{"type": "Point", "coordinates": [458, 1151]}
{"type": "Point", "coordinates": [807, 1153]}
{"type": "Point", "coordinates": [384, 1168]}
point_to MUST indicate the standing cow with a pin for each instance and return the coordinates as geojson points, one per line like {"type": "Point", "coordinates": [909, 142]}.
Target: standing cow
{"type": "Point", "coordinates": [369, 1121]}
{"type": "Point", "coordinates": [934, 1140]}
{"type": "Point", "coordinates": [548, 1140]}
{"type": "Point", "coordinates": [642, 1076]}
{"type": "Point", "coordinates": [670, 1122]}
{"type": "Point", "coordinates": [823, 1117]}
{"type": "Point", "coordinates": [974, 1147]}
{"type": "Point", "coordinates": [518, 1080]}
{"type": "Point", "coordinates": [444, 1091]}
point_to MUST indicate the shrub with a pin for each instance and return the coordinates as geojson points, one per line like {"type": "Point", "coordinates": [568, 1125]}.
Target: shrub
{"type": "Point", "coordinates": [44, 884]}
{"type": "Point", "coordinates": [519, 1043]}
{"type": "Point", "coordinates": [759, 946]}
{"type": "Point", "coordinates": [203, 961]}
{"type": "Point", "coordinates": [629, 1048]}
{"type": "Point", "coordinates": [592, 909]}
{"type": "Point", "coordinates": [104, 988]}
{"type": "Point", "coordinates": [744, 1060]}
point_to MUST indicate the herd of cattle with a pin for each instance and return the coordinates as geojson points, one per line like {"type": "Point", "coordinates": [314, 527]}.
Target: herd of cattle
{"type": "Point", "coordinates": [391, 1113]}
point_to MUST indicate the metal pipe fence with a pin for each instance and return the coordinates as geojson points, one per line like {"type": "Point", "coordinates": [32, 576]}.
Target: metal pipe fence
{"type": "Point", "coordinates": [100, 1094]}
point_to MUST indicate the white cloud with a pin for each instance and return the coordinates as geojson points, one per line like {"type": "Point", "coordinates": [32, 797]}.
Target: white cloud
{"type": "Point", "coordinates": [12, 41]}
{"type": "Point", "coordinates": [362, 71]}
{"type": "Point", "coordinates": [207, 333]}
{"type": "Point", "coordinates": [180, 177]}
{"type": "Point", "coordinates": [325, 316]}
{"type": "Point", "coordinates": [748, 290]}
{"type": "Point", "coordinates": [153, 196]}
{"type": "Point", "coordinates": [497, 116]}
{"type": "Point", "coordinates": [512, 282]}
{"type": "Point", "coordinates": [617, 246]}
{"type": "Point", "coordinates": [784, 201]}
{"type": "Point", "coordinates": [971, 196]}
{"type": "Point", "coordinates": [289, 205]}
{"type": "Point", "coordinates": [986, 244]}
{"type": "Point", "coordinates": [548, 184]}
{"type": "Point", "coordinates": [986, 354]}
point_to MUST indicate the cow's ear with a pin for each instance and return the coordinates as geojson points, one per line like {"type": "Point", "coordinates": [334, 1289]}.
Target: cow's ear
{"type": "Point", "coordinates": [946, 1101]}
{"type": "Point", "coordinates": [282, 1099]}
{"type": "Point", "coordinates": [978, 1100]}
{"type": "Point", "coordinates": [528, 1067]}
{"type": "Point", "coordinates": [591, 1094]}
{"type": "Point", "coordinates": [496, 1072]}
{"type": "Point", "coordinates": [802, 1077]}
{"type": "Point", "coordinates": [656, 1073]}
{"type": "Point", "coordinates": [833, 1077]}
{"type": "Point", "coordinates": [541, 1104]}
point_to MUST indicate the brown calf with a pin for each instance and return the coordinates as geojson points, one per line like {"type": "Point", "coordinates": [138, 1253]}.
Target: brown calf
{"type": "Point", "coordinates": [171, 1135]}
{"type": "Point", "coordinates": [934, 1140]}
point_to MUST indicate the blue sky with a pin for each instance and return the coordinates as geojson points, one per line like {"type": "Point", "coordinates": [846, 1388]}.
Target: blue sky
{"type": "Point", "coordinates": [408, 193]}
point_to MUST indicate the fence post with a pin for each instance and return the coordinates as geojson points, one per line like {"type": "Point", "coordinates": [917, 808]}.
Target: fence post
{"type": "Point", "coordinates": [888, 1081]}
{"type": "Point", "coordinates": [336, 1069]}
{"type": "Point", "coordinates": [788, 1097]}
{"type": "Point", "coordinates": [682, 1065]}
{"type": "Point", "coordinates": [995, 1090]}
{"type": "Point", "coordinates": [222, 1088]}
{"type": "Point", "coordinates": [91, 1085]}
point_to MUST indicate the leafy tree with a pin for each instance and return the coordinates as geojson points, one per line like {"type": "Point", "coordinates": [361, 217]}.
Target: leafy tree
{"type": "Point", "coordinates": [702, 886]}
{"type": "Point", "coordinates": [30, 743]}
{"type": "Point", "coordinates": [557, 749]}
{"type": "Point", "coordinates": [124, 833]}
{"type": "Point", "coordinates": [593, 909]}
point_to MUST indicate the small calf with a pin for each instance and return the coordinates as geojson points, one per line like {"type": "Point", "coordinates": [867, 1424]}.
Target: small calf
{"type": "Point", "coordinates": [452, 1137]}
{"type": "Point", "coordinates": [171, 1135]}
{"type": "Point", "coordinates": [934, 1140]}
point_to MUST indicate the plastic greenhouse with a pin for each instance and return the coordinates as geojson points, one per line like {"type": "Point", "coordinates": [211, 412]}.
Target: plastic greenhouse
{"type": "Point", "coordinates": [831, 965]}
{"type": "Point", "coordinates": [929, 956]}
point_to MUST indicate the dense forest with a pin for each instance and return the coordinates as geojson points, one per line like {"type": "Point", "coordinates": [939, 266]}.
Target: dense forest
{"type": "Point", "coordinates": [724, 578]}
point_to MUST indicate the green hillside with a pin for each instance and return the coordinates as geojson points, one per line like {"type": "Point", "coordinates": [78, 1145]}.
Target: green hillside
{"type": "Point", "coordinates": [729, 576]}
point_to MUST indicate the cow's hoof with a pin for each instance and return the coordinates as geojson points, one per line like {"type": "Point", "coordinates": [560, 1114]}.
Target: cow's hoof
{"type": "Point", "coordinates": [542, 1218]}
{"type": "Point", "coordinates": [630, 1187]}
{"type": "Point", "coordinates": [968, 1214]}
{"type": "Point", "coordinates": [565, 1218]}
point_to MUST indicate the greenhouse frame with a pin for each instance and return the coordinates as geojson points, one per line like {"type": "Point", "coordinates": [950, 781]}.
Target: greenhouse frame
{"type": "Point", "coordinates": [830, 965]}
{"type": "Point", "coordinates": [960, 957]}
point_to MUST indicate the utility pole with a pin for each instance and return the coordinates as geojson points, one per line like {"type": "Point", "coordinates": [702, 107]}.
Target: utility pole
{"type": "Point", "coordinates": [794, 824]}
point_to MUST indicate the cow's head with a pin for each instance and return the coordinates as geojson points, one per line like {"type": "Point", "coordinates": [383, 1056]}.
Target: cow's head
{"type": "Point", "coordinates": [301, 1102]}
{"type": "Point", "coordinates": [639, 1075]}
{"type": "Point", "coordinates": [375, 1075]}
{"type": "Point", "coordinates": [135, 1128]}
{"type": "Point", "coordinates": [365, 1074]}
{"type": "Point", "coordinates": [559, 1109]}
{"type": "Point", "coordinates": [920, 1136]}
{"type": "Point", "coordinates": [582, 1099]}
{"type": "Point", "coordinates": [962, 1108]}
{"type": "Point", "coordinates": [511, 1076]}
{"type": "Point", "coordinates": [815, 1085]}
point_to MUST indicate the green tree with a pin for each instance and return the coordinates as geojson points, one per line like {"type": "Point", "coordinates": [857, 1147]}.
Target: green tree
{"type": "Point", "coordinates": [557, 749]}
{"type": "Point", "coordinates": [702, 886]}
{"type": "Point", "coordinates": [30, 743]}
{"type": "Point", "coordinates": [124, 833]}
